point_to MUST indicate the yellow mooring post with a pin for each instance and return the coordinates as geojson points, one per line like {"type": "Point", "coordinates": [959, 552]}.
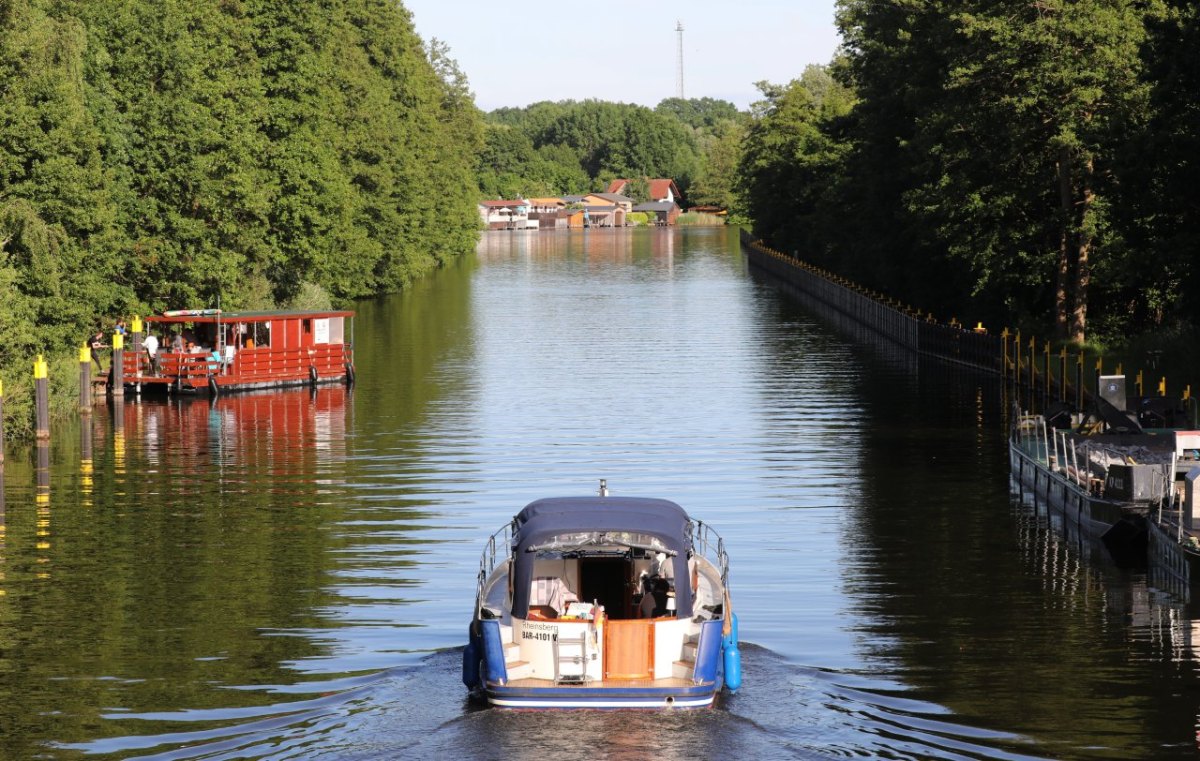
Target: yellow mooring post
{"type": "Point", "coordinates": [117, 375]}
{"type": "Point", "coordinates": [1017, 359]}
{"type": "Point", "coordinates": [1032, 368]}
{"type": "Point", "coordinates": [41, 393]}
{"type": "Point", "coordinates": [85, 380]}
{"type": "Point", "coordinates": [1139, 382]}
{"type": "Point", "coordinates": [1079, 381]}
{"type": "Point", "coordinates": [1062, 374]}
{"type": "Point", "coordinates": [1162, 386]}
{"type": "Point", "coordinates": [1046, 398]}
{"type": "Point", "coordinates": [135, 340]}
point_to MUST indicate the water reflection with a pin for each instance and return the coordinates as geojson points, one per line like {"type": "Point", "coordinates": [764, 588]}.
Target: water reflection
{"type": "Point", "coordinates": [289, 574]}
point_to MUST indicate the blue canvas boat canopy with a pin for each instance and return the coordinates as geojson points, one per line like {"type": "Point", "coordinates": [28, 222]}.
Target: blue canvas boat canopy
{"type": "Point", "coordinates": [575, 524]}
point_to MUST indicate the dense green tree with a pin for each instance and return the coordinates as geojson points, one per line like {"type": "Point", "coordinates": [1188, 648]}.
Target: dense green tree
{"type": "Point", "coordinates": [247, 152]}
{"type": "Point", "coordinates": [790, 157]}
{"type": "Point", "coordinates": [720, 153]}
{"type": "Point", "coordinates": [1037, 97]}
{"type": "Point", "coordinates": [698, 113]}
{"type": "Point", "coordinates": [998, 158]}
{"type": "Point", "coordinates": [593, 139]}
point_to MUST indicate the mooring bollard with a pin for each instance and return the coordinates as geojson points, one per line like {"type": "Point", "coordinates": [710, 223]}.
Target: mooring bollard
{"type": "Point", "coordinates": [117, 385]}
{"type": "Point", "coordinates": [41, 393]}
{"type": "Point", "coordinates": [135, 328]}
{"type": "Point", "coordinates": [85, 380]}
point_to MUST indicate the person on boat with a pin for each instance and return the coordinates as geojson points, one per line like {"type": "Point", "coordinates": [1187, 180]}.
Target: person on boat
{"type": "Point", "coordinates": [177, 343]}
{"type": "Point", "coordinates": [97, 343]}
{"type": "Point", "coordinates": [120, 328]}
{"type": "Point", "coordinates": [654, 603]}
{"type": "Point", "coordinates": [150, 344]}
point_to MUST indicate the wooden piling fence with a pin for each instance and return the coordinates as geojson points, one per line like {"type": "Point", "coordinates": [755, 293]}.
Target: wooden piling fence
{"type": "Point", "coordinates": [1019, 363]}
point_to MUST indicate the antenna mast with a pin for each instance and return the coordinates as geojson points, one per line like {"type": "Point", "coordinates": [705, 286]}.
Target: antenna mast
{"type": "Point", "coordinates": [679, 72]}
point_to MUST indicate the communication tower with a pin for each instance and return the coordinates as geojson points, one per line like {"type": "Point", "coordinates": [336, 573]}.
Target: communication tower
{"type": "Point", "coordinates": [679, 68]}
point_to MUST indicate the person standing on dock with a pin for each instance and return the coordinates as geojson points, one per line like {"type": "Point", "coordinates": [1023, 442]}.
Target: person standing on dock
{"type": "Point", "coordinates": [150, 344]}
{"type": "Point", "coordinates": [97, 343]}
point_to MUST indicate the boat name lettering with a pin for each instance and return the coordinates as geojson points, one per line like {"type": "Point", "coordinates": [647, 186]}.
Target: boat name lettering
{"type": "Point", "coordinates": [543, 632]}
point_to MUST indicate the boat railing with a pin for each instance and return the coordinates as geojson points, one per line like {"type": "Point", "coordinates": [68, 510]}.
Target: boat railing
{"type": "Point", "coordinates": [499, 545]}
{"type": "Point", "coordinates": [707, 543]}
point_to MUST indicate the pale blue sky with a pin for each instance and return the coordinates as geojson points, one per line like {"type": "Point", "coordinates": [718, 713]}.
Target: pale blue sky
{"type": "Point", "coordinates": [519, 53]}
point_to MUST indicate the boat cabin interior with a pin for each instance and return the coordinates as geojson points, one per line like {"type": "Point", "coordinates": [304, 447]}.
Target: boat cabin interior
{"type": "Point", "coordinates": [591, 609]}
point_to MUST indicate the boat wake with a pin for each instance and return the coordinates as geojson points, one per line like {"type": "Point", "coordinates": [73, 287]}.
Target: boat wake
{"type": "Point", "coordinates": [422, 711]}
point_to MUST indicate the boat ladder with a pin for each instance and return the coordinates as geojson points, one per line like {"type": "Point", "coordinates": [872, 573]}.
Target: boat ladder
{"type": "Point", "coordinates": [577, 655]}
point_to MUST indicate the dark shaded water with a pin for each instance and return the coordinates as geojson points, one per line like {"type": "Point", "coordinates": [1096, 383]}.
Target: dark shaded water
{"type": "Point", "coordinates": [290, 575]}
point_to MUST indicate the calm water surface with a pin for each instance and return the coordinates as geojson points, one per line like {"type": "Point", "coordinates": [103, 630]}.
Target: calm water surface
{"type": "Point", "coordinates": [291, 575]}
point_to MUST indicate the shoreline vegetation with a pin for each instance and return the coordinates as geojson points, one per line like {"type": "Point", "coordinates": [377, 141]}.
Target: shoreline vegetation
{"type": "Point", "coordinates": [1018, 164]}
{"type": "Point", "coordinates": [217, 154]}
{"type": "Point", "coordinates": [1013, 164]}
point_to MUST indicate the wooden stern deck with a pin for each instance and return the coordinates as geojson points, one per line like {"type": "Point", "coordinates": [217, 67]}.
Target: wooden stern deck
{"type": "Point", "coordinates": [670, 682]}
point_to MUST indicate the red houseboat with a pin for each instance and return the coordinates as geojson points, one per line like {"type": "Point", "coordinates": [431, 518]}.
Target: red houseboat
{"type": "Point", "coordinates": [209, 352]}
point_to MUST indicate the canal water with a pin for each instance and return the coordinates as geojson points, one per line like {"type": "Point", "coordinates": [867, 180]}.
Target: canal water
{"type": "Point", "coordinates": [291, 575]}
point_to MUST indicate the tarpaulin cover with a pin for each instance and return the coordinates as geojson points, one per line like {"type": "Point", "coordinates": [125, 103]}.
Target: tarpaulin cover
{"type": "Point", "coordinates": [544, 519]}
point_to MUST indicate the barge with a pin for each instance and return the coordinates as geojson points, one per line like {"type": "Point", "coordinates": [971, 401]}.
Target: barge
{"type": "Point", "coordinates": [210, 352]}
{"type": "Point", "coordinates": [1135, 492]}
{"type": "Point", "coordinates": [602, 602]}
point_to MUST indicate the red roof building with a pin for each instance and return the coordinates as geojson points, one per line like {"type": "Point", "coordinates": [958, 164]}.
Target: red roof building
{"type": "Point", "coordinates": [661, 189]}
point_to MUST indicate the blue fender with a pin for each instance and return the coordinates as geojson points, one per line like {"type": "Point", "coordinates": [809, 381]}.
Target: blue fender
{"type": "Point", "coordinates": [492, 649]}
{"type": "Point", "coordinates": [732, 657]}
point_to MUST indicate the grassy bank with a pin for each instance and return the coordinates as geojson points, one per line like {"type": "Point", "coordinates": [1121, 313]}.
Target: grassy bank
{"type": "Point", "coordinates": [700, 219]}
{"type": "Point", "coordinates": [18, 393]}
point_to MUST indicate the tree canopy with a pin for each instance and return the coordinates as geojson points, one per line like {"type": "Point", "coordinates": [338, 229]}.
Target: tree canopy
{"type": "Point", "coordinates": [1020, 161]}
{"type": "Point", "coordinates": [572, 147]}
{"type": "Point", "coordinates": [174, 155]}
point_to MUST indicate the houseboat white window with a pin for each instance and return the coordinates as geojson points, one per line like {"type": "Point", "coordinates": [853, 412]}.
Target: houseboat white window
{"type": "Point", "coordinates": [321, 330]}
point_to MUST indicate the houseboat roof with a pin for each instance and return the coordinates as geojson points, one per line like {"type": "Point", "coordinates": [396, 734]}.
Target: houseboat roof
{"type": "Point", "coordinates": [215, 315]}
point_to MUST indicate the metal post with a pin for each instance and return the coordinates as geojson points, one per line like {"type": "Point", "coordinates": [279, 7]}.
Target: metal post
{"type": "Point", "coordinates": [1046, 440]}
{"type": "Point", "coordinates": [1087, 460]}
{"type": "Point", "coordinates": [1075, 462]}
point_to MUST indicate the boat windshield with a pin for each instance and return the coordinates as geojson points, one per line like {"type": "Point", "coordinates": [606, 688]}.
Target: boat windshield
{"type": "Point", "coordinates": [601, 540]}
